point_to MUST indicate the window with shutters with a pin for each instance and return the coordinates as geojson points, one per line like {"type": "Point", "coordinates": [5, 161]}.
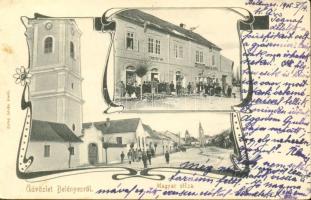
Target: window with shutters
{"type": "Point", "coordinates": [201, 57]}
{"type": "Point", "coordinates": [197, 56]}
{"type": "Point", "coordinates": [150, 45]}
{"type": "Point", "coordinates": [130, 40]}
{"type": "Point", "coordinates": [158, 47]}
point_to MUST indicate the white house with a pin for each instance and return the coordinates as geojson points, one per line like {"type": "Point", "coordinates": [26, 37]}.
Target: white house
{"type": "Point", "coordinates": [114, 136]}
{"type": "Point", "coordinates": [167, 142]}
{"type": "Point", "coordinates": [153, 140]}
{"type": "Point", "coordinates": [92, 147]}
{"type": "Point", "coordinates": [54, 147]}
{"type": "Point", "coordinates": [176, 138]}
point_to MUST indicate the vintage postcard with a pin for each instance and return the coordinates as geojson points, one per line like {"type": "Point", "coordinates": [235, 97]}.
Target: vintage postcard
{"type": "Point", "coordinates": [155, 99]}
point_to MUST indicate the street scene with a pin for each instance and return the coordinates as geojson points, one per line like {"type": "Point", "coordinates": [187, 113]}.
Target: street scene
{"type": "Point", "coordinates": [148, 148]}
{"type": "Point", "coordinates": [191, 102]}
{"type": "Point", "coordinates": [163, 66]}
{"type": "Point", "coordinates": [211, 156]}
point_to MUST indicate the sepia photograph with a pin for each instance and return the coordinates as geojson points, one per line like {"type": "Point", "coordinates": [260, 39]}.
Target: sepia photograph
{"type": "Point", "coordinates": [135, 141]}
{"type": "Point", "coordinates": [155, 99]}
{"type": "Point", "coordinates": [163, 62]}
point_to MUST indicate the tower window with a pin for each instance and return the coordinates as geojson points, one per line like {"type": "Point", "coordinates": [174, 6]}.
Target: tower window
{"type": "Point", "coordinates": [48, 45]}
{"type": "Point", "coordinates": [46, 150]}
{"type": "Point", "coordinates": [72, 50]}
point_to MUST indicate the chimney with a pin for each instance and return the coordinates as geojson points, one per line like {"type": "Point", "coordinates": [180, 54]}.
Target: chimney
{"type": "Point", "coordinates": [182, 25]}
{"type": "Point", "coordinates": [107, 122]}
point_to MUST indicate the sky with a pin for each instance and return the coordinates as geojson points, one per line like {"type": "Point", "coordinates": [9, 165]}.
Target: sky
{"type": "Point", "coordinates": [94, 47]}
{"type": "Point", "coordinates": [212, 123]}
{"type": "Point", "coordinates": [216, 25]}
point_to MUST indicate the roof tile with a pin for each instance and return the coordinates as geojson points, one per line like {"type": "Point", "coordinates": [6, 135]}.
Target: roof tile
{"type": "Point", "coordinates": [51, 131]}
{"type": "Point", "coordinates": [154, 22]}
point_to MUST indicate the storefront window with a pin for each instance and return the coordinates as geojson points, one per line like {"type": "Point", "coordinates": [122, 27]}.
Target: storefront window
{"type": "Point", "coordinates": [130, 75]}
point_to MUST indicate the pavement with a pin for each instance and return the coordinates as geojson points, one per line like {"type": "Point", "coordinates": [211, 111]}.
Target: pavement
{"type": "Point", "coordinates": [213, 156]}
{"type": "Point", "coordinates": [182, 103]}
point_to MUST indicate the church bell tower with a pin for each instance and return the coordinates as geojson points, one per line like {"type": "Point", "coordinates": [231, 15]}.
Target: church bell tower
{"type": "Point", "coordinates": [55, 89]}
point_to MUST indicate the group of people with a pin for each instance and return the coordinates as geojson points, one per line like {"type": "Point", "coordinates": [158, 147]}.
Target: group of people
{"type": "Point", "coordinates": [132, 89]}
{"type": "Point", "coordinates": [212, 88]}
{"type": "Point", "coordinates": [142, 155]}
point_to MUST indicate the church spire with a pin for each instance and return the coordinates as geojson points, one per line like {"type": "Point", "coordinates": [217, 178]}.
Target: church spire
{"type": "Point", "coordinates": [201, 135]}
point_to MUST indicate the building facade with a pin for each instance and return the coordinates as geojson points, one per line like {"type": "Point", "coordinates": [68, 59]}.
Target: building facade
{"type": "Point", "coordinates": [154, 141]}
{"type": "Point", "coordinates": [108, 139]}
{"type": "Point", "coordinates": [54, 147]}
{"type": "Point", "coordinates": [55, 93]}
{"type": "Point", "coordinates": [55, 90]}
{"type": "Point", "coordinates": [172, 53]}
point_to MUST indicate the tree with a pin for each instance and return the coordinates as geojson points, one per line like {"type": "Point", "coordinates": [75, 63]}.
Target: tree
{"type": "Point", "coordinates": [187, 137]}
{"type": "Point", "coordinates": [106, 146]}
{"type": "Point", "coordinates": [141, 70]}
{"type": "Point", "coordinates": [175, 145]}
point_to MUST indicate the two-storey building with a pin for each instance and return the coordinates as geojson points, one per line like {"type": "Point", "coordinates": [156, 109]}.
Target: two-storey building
{"type": "Point", "coordinates": [173, 53]}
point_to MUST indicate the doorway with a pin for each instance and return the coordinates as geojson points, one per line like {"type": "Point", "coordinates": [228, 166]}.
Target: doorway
{"type": "Point", "coordinates": [130, 75]}
{"type": "Point", "coordinates": [93, 153]}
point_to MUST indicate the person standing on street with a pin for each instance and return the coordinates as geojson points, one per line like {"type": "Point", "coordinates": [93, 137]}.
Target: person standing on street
{"type": "Point", "coordinates": [139, 155]}
{"type": "Point", "coordinates": [129, 156]}
{"type": "Point", "coordinates": [149, 155]}
{"type": "Point", "coordinates": [189, 88]}
{"type": "Point", "coordinates": [172, 87]}
{"type": "Point", "coordinates": [122, 156]}
{"type": "Point", "coordinates": [167, 157]}
{"type": "Point", "coordinates": [144, 159]}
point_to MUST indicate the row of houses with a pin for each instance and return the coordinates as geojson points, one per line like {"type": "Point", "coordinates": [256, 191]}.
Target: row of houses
{"type": "Point", "coordinates": [54, 146]}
